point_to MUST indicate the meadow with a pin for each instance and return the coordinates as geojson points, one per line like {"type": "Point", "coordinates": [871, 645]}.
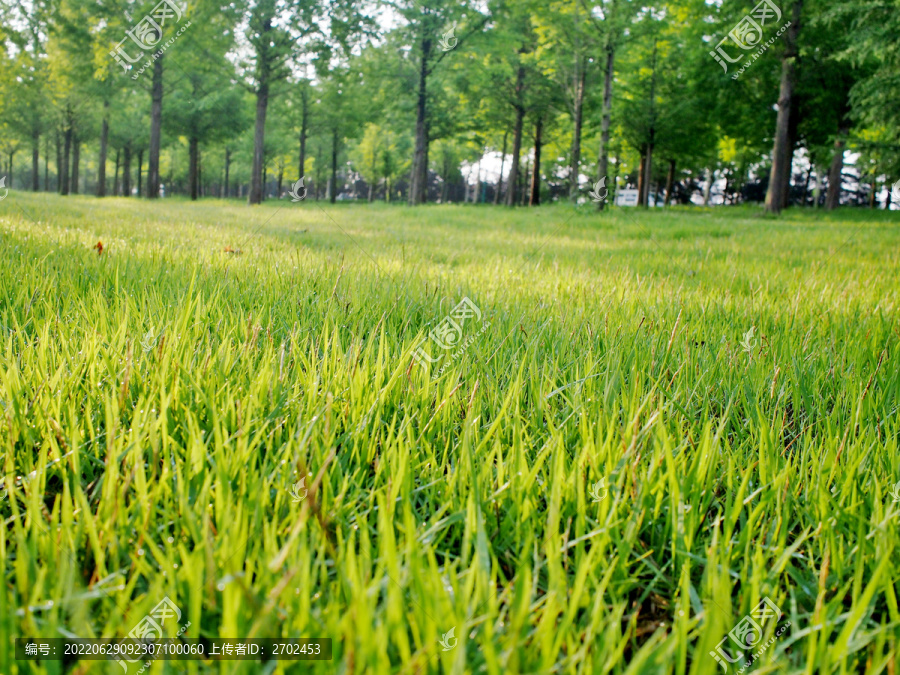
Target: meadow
{"type": "Point", "coordinates": [658, 420]}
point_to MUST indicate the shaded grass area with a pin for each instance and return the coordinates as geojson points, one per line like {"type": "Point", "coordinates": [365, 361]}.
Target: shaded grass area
{"type": "Point", "coordinates": [161, 400]}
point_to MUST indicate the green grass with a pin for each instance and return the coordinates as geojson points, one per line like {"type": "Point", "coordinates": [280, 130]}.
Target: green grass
{"type": "Point", "coordinates": [160, 400]}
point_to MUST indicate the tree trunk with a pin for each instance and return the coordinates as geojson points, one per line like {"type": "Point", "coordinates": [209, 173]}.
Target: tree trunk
{"type": "Point", "coordinates": [502, 162]}
{"type": "Point", "coordinates": [518, 184]}
{"type": "Point", "coordinates": [648, 173]}
{"type": "Point", "coordinates": [140, 169]}
{"type": "Point", "coordinates": [419, 179]}
{"type": "Point", "coordinates": [513, 180]}
{"type": "Point", "coordinates": [872, 193]}
{"type": "Point", "coordinates": [304, 120]}
{"type": "Point", "coordinates": [477, 194]}
{"type": "Point", "coordinates": [116, 177]}
{"type": "Point", "coordinates": [64, 173]}
{"type": "Point", "coordinates": [59, 163]}
{"type": "Point", "coordinates": [104, 141]}
{"type": "Point", "coordinates": [257, 185]}
{"type": "Point", "coordinates": [334, 154]}
{"type": "Point", "coordinates": [575, 167]}
{"type": "Point", "coordinates": [517, 137]}
{"type": "Point", "coordinates": [817, 190]}
{"type": "Point", "coordinates": [126, 171]}
{"type": "Point", "coordinates": [536, 170]}
{"type": "Point", "coordinates": [227, 171]}
{"type": "Point", "coordinates": [789, 163]}
{"type": "Point", "coordinates": [374, 176]}
{"type": "Point", "coordinates": [76, 162]}
{"type": "Point", "coordinates": [47, 163]}
{"type": "Point", "coordinates": [670, 182]}
{"type": "Point", "coordinates": [603, 161]}
{"type": "Point", "coordinates": [781, 153]}
{"type": "Point", "coordinates": [642, 177]}
{"type": "Point", "coordinates": [833, 196]}
{"type": "Point", "coordinates": [707, 190]}
{"type": "Point", "coordinates": [35, 160]}
{"type": "Point", "coordinates": [193, 160]}
{"type": "Point", "coordinates": [524, 189]}
{"type": "Point", "coordinates": [155, 130]}
{"type": "Point", "coordinates": [280, 179]}
{"type": "Point", "coordinates": [806, 185]}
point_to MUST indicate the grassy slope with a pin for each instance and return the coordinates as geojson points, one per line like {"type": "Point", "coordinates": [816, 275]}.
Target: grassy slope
{"type": "Point", "coordinates": [161, 399]}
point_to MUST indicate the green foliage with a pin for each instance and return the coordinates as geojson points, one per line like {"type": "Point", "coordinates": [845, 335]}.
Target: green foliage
{"type": "Point", "coordinates": [57, 75]}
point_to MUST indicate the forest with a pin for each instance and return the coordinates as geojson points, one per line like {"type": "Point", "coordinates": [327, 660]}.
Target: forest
{"type": "Point", "coordinates": [506, 102]}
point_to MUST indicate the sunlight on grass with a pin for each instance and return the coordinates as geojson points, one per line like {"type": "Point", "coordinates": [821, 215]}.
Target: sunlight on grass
{"type": "Point", "coordinates": [161, 401]}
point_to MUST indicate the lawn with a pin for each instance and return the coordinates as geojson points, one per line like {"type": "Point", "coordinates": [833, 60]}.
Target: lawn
{"type": "Point", "coordinates": [647, 424]}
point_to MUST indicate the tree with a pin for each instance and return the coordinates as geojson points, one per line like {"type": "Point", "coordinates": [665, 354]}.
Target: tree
{"type": "Point", "coordinates": [206, 107]}
{"type": "Point", "coordinates": [279, 31]}
{"type": "Point", "coordinates": [564, 46]}
{"type": "Point", "coordinates": [782, 152]}
{"type": "Point", "coordinates": [340, 92]}
{"type": "Point", "coordinates": [366, 156]}
{"type": "Point", "coordinates": [27, 110]}
{"type": "Point", "coordinates": [426, 22]}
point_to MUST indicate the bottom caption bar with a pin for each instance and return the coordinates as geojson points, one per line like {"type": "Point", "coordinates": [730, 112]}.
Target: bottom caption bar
{"type": "Point", "coordinates": [179, 649]}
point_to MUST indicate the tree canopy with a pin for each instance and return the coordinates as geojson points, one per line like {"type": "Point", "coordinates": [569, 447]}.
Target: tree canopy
{"type": "Point", "coordinates": [508, 101]}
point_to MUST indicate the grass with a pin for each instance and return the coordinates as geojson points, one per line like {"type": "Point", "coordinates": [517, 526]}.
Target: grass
{"type": "Point", "coordinates": [160, 400]}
